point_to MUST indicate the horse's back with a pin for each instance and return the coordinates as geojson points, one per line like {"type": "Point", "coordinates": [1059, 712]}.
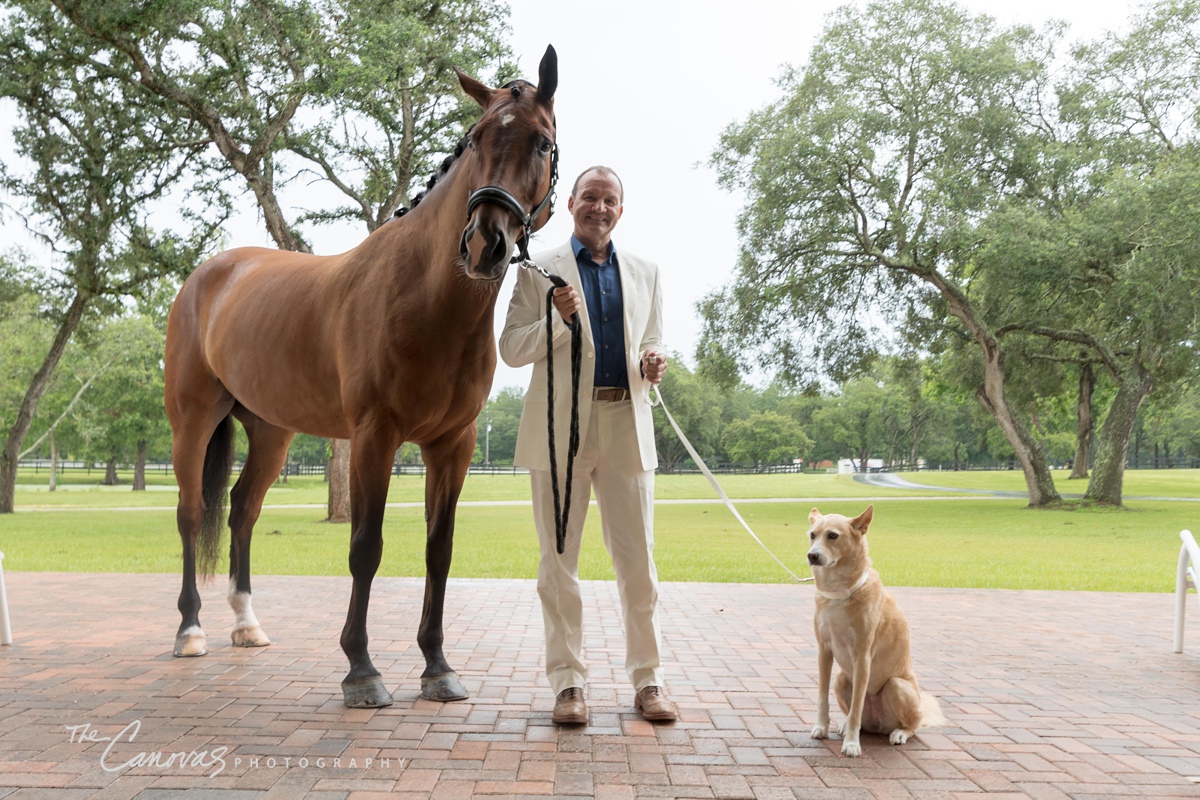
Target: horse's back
{"type": "Point", "coordinates": [257, 323]}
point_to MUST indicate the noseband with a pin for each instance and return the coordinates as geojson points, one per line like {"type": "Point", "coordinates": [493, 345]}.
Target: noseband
{"type": "Point", "coordinates": [502, 197]}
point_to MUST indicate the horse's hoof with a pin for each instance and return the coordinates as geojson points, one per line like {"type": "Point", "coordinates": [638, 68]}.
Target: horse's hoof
{"type": "Point", "coordinates": [190, 644]}
{"type": "Point", "coordinates": [249, 636]}
{"type": "Point", "coordinates": [443, 688]}
{"type": "Point", "coordinates": [368, 692]}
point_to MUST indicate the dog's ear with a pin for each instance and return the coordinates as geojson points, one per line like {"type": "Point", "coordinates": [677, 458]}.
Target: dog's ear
{"type": "Point", "coordinates": [813, 516]}
{"type": "Point", "coordinates": [863, 520]}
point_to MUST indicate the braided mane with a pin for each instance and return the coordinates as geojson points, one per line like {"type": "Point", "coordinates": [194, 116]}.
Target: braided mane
{"type": "Point", "coordinates": [447, 162]}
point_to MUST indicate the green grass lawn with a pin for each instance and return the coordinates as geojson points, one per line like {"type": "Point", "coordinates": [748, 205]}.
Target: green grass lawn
{"type": "Point", "coordinates": [1138, 482]}
{"type": "Point", "coordinates": [971, 542]}
{"type": "Point", "coordinates": [32, 489]}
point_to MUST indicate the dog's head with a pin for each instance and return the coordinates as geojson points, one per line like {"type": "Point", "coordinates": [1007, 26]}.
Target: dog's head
{"type": "Point", "coordinates": [836, 538]}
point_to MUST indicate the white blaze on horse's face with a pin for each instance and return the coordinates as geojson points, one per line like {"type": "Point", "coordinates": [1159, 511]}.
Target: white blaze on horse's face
{"type": "Point", "coordinates": [511, 163]}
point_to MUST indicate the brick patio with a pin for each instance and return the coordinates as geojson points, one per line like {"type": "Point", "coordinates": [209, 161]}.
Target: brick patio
{"type": "Point", "coordinates": [1049, 695]}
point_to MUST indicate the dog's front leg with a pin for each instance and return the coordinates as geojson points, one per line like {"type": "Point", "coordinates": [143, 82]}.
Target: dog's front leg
{"type": "Point", "coordinates": [824, 671]}
{"type": "Point", "coordinates": [858, 697]}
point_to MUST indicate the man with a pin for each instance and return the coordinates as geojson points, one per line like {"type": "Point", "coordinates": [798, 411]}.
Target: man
{"type": "Point", "coordinates": [620, 309]}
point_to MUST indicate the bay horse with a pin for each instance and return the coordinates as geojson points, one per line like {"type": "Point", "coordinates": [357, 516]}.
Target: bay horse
{"type": "Point", "coordinates": [388, 343]}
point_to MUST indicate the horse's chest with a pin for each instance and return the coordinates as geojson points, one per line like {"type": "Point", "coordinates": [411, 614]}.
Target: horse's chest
{"type": "Point", "coordinates": [429, 399]}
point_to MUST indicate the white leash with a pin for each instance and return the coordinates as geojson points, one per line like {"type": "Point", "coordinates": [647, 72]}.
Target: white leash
{"type": "Point", "coordinates": [720, 492]}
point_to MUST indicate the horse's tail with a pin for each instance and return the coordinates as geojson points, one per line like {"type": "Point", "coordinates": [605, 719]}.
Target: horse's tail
{"type": "Point", "coordinates": [218, 464]}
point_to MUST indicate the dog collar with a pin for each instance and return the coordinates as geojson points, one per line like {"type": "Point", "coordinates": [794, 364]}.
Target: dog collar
{"type": "Point", "coordinates": [862, 580]}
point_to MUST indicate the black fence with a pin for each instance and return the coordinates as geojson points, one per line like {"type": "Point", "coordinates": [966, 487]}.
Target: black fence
{"type": "Point", "coordinates": [42, 466]}
{"type": "Point", "coordinates": [734, 469]}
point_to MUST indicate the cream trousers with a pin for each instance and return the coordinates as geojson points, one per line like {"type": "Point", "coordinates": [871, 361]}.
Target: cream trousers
{"type": "Point", "coordinates": [609, 463]}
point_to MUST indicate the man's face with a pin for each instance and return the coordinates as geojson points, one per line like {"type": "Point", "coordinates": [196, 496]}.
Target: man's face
{"type": "Point", "coordinates": [596, 207]}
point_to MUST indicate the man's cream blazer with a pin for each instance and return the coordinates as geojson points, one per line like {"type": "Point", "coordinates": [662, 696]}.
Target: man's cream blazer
{"type": "Point", "coordinates": [524, 342]}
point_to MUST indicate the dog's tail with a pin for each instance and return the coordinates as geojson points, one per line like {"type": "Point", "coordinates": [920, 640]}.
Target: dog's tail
{"type": "Point", "coordinates": [931, 712]}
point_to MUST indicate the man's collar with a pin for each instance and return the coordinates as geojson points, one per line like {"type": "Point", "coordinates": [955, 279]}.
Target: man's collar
{"type": "Point", "coordinates": [577, 247]}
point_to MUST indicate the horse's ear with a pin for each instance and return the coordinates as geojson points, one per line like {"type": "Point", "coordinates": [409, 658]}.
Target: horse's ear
{"type": "Point", "coordinates": [548, 75]}
{"type": "Point", "coordinates": [479, 92]}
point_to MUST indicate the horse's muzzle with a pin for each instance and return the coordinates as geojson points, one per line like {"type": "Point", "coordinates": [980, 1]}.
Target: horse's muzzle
{"type": "Point", "coordinates": [486, 249]}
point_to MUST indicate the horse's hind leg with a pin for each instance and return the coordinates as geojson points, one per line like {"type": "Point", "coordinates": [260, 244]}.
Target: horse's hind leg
{"type": "Point", "coordinates": [446, 464]}
{"type": "Point", "coordinates": [268, 451]}
{"type": "Point", "coordinates": [197, 444]}
{"type": "Point", "coordinates": [371, 457]}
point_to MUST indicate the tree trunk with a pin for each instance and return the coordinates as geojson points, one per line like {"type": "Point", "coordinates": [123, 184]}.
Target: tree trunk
{"type": "Point", "coordinates": [1108, 474]}
{"type": "Point", "coordinates": [1083, 431]}
{"type": "Point", "coordinates": [338, 470]}
{"type": "Point", "coordinates": [53, 463]}
{"type": "Point", "coordinates": [110, 473]}
{"type": "Point", "coordinates": [139, 467]}
{"type": "Point", "coordinates": [37, 387]}
{"type": "Point", "coordinates": [1027, 449]}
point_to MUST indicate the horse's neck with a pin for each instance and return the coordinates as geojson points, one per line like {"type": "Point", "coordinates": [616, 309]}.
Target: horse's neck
{"type": "Point", "coordinates": [422, 254]}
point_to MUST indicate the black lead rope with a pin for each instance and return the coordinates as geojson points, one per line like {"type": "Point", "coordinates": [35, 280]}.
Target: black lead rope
{"type": "Point", "coordinates": [562, 508]}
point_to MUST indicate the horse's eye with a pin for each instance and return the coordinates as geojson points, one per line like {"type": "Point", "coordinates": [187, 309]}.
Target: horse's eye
{"type": "Point", "coordinates": [545, 148]}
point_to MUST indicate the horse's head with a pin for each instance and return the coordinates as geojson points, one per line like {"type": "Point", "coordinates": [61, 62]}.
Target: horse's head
{"type": "Point", "coordinates": [513, 171]}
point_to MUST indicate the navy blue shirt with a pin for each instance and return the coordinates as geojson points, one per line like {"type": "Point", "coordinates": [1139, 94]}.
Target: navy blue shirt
{"type": "Point", "coordinates": [601, 292]}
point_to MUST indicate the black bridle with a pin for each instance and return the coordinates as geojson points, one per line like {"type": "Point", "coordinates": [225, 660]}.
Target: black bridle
{"type": "Point", "coordinates": [500, 196]}
{"type": "Point", "coordinates": [503, 198]}
{"type": "Point", "coordinates": [562, 505]}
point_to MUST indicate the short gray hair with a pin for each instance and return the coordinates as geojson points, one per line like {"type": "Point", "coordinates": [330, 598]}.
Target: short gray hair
{"type": "Point", "coordinates": [603, 170]}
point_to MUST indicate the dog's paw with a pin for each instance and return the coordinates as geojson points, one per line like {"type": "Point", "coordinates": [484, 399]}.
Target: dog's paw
{"type": "Point", "coordinates": [899, 736]}
{"type": "Point", "coordinates": [820, 732]}
{"type": "Point", "coordinates": [851, 748]}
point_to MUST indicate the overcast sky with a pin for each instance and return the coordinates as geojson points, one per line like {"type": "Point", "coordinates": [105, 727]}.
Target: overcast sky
{"type": "Point", "coordinates": [647, 87]}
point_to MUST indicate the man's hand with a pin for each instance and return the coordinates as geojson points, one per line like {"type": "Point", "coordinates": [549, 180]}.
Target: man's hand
{"type": "Point", "coordinates": [654, 364]}
{"type": "Point", "coordinates": [567, 301]}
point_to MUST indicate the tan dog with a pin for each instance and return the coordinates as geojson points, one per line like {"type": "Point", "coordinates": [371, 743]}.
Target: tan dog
{"type": "Point", "coordinates": [859, 624]}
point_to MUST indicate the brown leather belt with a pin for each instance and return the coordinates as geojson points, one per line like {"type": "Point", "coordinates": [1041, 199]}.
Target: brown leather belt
{"type": "Point", "coordinates": [609, 394]}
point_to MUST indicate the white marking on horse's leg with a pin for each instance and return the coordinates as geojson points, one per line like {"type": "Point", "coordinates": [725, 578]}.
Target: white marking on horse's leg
{"type": "Point", "coordinates": [246, 630]}
{"type": "Point", "coordinates": [190, 642]}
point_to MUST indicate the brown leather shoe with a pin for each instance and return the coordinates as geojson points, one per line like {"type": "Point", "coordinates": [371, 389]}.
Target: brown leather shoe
{"type": "Point", "coordinates": [570, 708]}
{"type": "Point", "coordinates": [653, 703]}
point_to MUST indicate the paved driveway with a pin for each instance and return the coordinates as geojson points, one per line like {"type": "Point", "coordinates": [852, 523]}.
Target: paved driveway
{"type": "Point", "coordinates": [1049, 695]}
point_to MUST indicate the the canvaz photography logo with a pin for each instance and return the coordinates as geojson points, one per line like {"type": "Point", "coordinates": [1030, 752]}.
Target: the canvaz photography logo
{"type": "Point", "coordinates": [120, 753]}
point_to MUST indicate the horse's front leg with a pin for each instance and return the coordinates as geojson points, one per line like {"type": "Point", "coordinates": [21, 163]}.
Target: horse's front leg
{"type": "Point", "coordinates": [446, 463]}
{"type": "Point", "coordinates": [370, 473]}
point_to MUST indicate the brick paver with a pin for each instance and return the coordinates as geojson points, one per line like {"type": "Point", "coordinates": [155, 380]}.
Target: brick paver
{"type": "Point", "coordinates": [1048, 695]}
